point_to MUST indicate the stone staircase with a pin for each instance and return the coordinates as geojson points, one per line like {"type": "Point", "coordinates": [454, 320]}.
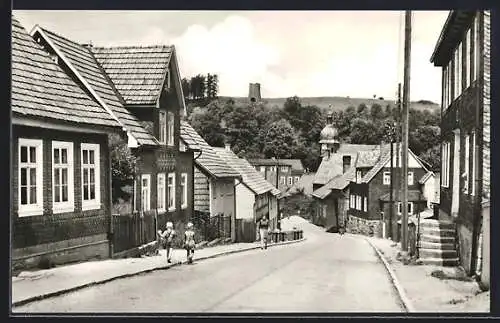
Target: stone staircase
{"type": "Point", "coordinates": [437, 243]}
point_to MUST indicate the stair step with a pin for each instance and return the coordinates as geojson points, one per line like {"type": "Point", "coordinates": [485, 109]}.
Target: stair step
{"type": "Point", "coordinates": [438, 231]}
{"type": "Point", "coordinates": [437, 253]}
{"type": "Point", "coordinates": [440, 225]}
{"type": "Point", "coordinates": [450, 262]}
{"type": "Point", "coordinates": [437, 245]}
{"type": "Point", "coordinates": [433, 221]}
{"type": "Point", "coordinates": [424, 237]}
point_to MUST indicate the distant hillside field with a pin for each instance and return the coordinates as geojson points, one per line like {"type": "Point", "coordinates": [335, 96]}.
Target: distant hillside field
{"type": "Point", "coordinates": [339, 103]}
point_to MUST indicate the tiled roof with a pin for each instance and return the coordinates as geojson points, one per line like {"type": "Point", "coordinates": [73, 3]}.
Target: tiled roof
{"type": "Point", "coordinates": [208, 160]}
{"type": "Point", "coordinates": [426, 177]}
{"type": "Point", "coordinates": [255, 181]}
{"type": "Point", "coordinates": [305, 183]}
{"type": "Point", "coordinates": [413, 196]}
{"type": "Point", "coordinates": [295, 164]}
{"type": "Point", "coordinates": [84, 62]}
{"type": "Point", "coordinates": [367, 158]}
{"type": "Point", "coordinates": [137, 72]}
{"type": "Point", "coordinates": [332, 166]}
{"type": "Point", "coordinates": [40, 88]}
{"type": "Point", "coordinates": [263, 161]}
{"type": "Point", "coordinates": [337, 183]}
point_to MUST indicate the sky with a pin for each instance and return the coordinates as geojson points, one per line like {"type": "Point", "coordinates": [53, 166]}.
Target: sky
{"type": "Point", "coordinates": [303, 53]}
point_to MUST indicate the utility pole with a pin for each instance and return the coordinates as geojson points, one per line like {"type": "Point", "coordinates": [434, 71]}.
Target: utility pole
{"type": "Point", "coordinates": [397, 172]}
{"type": "Point", "coordinates": [278, 225]}
{"type": "Point", "coordinates": [406, 100]}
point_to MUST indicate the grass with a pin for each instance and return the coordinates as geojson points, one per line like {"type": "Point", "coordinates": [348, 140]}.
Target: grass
{"type": "Point", "coordinates": [444, 276]}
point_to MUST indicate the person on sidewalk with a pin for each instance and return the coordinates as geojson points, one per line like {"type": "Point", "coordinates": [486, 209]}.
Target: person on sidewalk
{"type": "Point", "coordinates": [263, 230]}
{"type": "Point", "coordinates": [189, 242]}
{"type": "Point", "coordinates": [167, 238]}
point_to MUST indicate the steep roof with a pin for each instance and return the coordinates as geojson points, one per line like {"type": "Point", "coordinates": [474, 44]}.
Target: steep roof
{"type": "Point", "coordinates": [304, 184]}
{"type": "Point", "coordinates": [208, 160]}
{"type": "Point", "coordinates": [83, 62]}
{"type": "Point", "coordinates": [40, 88]}
{"type": "Point", "coordinates": [296, 164]}
{"type": "Point", "coordinates": [332, 166]}
{"type": "Point", "coordinates": [138, 72]}
{"type": "Point", "coordinates": [426, 177]}
{"type": "Point", "coordinates": [255, 181]}
{"type": "Point", "coordinates": [339, 182]}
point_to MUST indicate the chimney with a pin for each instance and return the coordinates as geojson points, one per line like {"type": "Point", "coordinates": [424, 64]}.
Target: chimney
{"type": "Point", "coordinates": [88, 45]}
{"type": "Point", "coordinates": [227, 145]}
{"type": "Point", "coordinates": [254, 92]}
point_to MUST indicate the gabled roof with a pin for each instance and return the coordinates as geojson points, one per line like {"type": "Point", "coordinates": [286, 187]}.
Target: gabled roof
{"type": "Point", "coordinates": [385, 157]}
{"type": "Point", "coordinates": [251, 178]}
{"type": "Point", "coordinates": [339, 182]}
{"type": "Point", "coordinates": [296, 164]}
{"type": "Point", "coordinates": [208, 160]}
{"type": "Point", "coordinates": [138, 72]}
{"type": "Point", "coordinates": [83, 64]}
{"type": "Point", "coordinates": [40, 88]}
{"type": "Point", "coordinates": [304, 184]}
{"type": "Point", "coordinates": [332, 166]}
{"type": "Point", "coordinates": [426, 177]}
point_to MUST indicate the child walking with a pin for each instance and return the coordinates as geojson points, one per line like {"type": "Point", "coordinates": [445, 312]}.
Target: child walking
{"type": "Point", "coordinates": [189, 242]}
{"type": "Point", "coordinates": [167, 238]}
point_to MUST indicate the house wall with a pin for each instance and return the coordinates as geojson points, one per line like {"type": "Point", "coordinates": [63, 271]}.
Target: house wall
{"type": "Point", "coordinates": [223, 196]}
{"type": "Point", "coordinates": [273, 211]}
{"type": "Point", "coordinates": [245, 200]}
{"type": "Point", "coordinates": [429, 191]}
{"type": "Point", "coordinates": [62, 237]}
{"type": "Point", "coordinates": [201, 191]}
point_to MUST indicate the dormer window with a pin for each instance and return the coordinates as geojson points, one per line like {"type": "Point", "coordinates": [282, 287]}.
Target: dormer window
{"type": "Point", "coordinates": [167, 82]}
{"type": "Point", "coordinates": [163, 127]}
{"type": "Point", "coordinates": [170, 129]}
{"type": "Point", "coordinates": [358, 176]}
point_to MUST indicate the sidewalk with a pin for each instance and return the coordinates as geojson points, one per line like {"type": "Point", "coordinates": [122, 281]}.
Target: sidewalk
{"type": "Point", "coordinates": [426, 293]}
{"type": "Point", "coordinates": [40, 284]}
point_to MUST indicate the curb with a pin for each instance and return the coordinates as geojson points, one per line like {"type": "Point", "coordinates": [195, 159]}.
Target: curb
{"type": "Point", "coordinates": [401, 293]}
{"type": "Point", "coordinates": [94, 283]}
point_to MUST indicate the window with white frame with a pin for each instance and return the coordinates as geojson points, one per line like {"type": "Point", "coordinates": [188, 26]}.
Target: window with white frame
{"type": "Point", "coordinates": [474, 156]}
{"type": "Point", "coordinates": [445, 166]}
{"type": "Point", "coordinates": [446, 88]}
{"type": "Point", "coordinates": [466, 174]}
{"type": "Point", "coordinates": [263, 169]}
{"type": "Point", "coordinates": [282, 180]}
{"type": "Point", "coordinates": [399, 208]}
{"type": "Point", "coordinates": [387, 178]}
{"type": "Point", "coordinates": [162, 123]}
{"type": "Point", "coordinates": [410, 208]}
{"type": "Point", "coordinates": [284, 168]}
{"type": "Point", "coordinates": [30, 177]}
{"type": "Point", "coordinates": [171, 191]}
{"type": "Point", "coordinates": [182, 146]}
{"type": "Point", "coordinates": [468, 44]}
{"type": "Point", "coordinates": [62, 177]}
{"type": "Point", "coordinates": [365, 204]}
{"type": "Point", "coordinates": [146, 192]}
{"type": "Point", "coordinates": [358, 176]}
{"type": "Point", "coordinates": [184, 190]}
{"type": "Point", "coordinates": [170, 128]}
{"type": "Point", "coordinates": [160, 190]}
{"type": "Point", "coordinates": [458, 69]}
{"type": "Point", "coordinates": [358, 202]}
{"type": "Point", "coordinates": [410, 178]}
{"type": "Point", "coordinates": [476, 47]}
{"type": "Point", "coordinates": [290, 180]}
{"type": "Point", "coordinates": [351, 201]}
{"type": "Point", "coordinates": [91, 189]}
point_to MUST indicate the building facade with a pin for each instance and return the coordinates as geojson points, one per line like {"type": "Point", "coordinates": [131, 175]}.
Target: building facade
{"type": "Point", "coordinates": [463, 54]}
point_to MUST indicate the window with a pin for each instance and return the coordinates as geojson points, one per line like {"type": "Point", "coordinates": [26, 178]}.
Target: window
{"type": "Point", "coordinates": [170, 129]}
{"type": "Point", "coordinates": [182, 146]}
{"type": "Point", "coordinates": [160, 184]}
{"type": "Point", "coordinates": [30, 177]}
{"type": "Point", "coordinates": [365, 204]}
{"type": "Point", "coordinates": [282, 180]}
{"type": "Point", "coordinates": [351, 201]}
{"type": "Point", "coordinates": [62, 177]}
{"type": "Point", "coordinates": [91, 188]}
{"type": "Point", "coordinates": [358, 176]}
{"type": "Point", "coordinates": [466, 164]}
{"type": "Point", "coordinates": [284, 169]}
{"type": "Point", "coordinates": [410, 208]}
{"type": "Point", "coordinates": [163, 127]}
{"type": "Point", "coordinates": [410, 178]}
{"type": "Point", "coordinates": [296, 179]}
{"type": "Point", "coordinates": [445, 167]}
{"type": "Point", "coordinates": [290, 180]}
{"type": "Point", "coordinates": [467, 76]}
{"type": "Point", "coordinates": [146, 192]}
{"type": "Point", "coordinates": [263, 169]}
{"type": "Point", "coordinates": [171, 191]}
{"type": "Point", "coordinates": [358, 202]}
{"type": "Point", "coordinates": [474, 156]}
{"type": "Point", "coordinates": [446, 88]}
{"type": "Point", "coordinates": [387, 178]}
{"type": "Point", "coordinates": [458, 71]}
{"type": "Point", "coordinates": [399, 208]}
{"type": "Point", "coordinates": [476, 47]}
{"type": "Point", "coordinates": [184, 190]}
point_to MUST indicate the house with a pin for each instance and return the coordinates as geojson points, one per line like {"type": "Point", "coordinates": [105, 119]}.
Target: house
{"type": "Point", "coordinates": [139, 87]}
{"type": "Point", "coordinates": [60, 166]}
{"type": "Point", "coordinates": [214, 189]}
{"type": "Point", "coordinates": [296, 171]}
{"type": "Point", "coordinates": [463, 54]}
{"type": "Point", "coordinates": [278, 172]}
{"type": "Point", "coordinates": [255, 196]}
{"type": "Point", "coordinates": [330, 183]}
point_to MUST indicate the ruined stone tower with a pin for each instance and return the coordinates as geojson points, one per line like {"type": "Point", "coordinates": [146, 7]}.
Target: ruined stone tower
{"type": "Point", "coordinates": [254, 92]}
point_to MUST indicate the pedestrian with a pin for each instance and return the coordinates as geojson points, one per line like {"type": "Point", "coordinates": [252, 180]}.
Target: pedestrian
{"type": "Point", "coordinates": [189, 242]}
{"type": "Point", "coordinates": [167, 238]}
{"type": "Point", "coordinates": [263, 230]}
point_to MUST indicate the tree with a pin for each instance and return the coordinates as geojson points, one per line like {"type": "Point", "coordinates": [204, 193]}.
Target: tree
{"type": "Point", "coordinates": [280, 140]}
{"type": "Point", "coordinates": [424, 138]}
{"type": "Point", "coordinates": [376, 112]}
{"type": "Point", "coordinates": [365, 132]}
{"type": "Point", "coordinates": [433, 157]}
{"type": "Point", "coordinates": [186, 88]}
{"type": "Point", "coordinates": [123, 168]}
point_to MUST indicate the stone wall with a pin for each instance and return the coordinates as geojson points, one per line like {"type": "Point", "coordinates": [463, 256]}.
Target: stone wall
{"type": "Point", "coordinates": [372, 228]}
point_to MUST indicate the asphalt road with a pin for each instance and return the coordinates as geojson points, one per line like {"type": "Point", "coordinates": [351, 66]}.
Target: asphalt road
{"type": "Point", "coordinates": [326, 273]}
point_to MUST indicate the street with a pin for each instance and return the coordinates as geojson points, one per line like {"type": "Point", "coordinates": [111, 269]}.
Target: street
{"type": "Point", "coordinates": [326, 273]}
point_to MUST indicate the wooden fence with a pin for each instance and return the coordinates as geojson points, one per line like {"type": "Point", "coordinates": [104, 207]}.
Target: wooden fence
{"type": "Point", "coordinates": [245, 230]}
{"type": "Point", "coordinates": [131, 231]}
